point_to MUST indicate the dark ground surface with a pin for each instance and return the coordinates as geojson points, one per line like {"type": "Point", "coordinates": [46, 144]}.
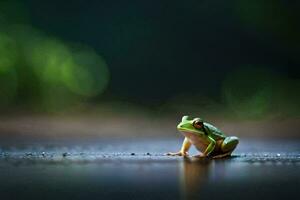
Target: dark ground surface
{"type": "Point", "coordinates": [137, 169]}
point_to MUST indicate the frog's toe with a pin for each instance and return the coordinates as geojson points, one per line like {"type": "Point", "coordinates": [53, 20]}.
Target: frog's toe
{"type": "Point", "coordinates": [199, 156]}
{"type": "Point", "coordinates": [177, 154]}
{"type": "Point", "coordinates": [222, 155]}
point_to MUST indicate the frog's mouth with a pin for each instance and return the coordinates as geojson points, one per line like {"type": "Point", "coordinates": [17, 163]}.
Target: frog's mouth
{"type": "Point", "coordinates": [188, 132]}
{"type": "Point", "coordinates": [193, 136]}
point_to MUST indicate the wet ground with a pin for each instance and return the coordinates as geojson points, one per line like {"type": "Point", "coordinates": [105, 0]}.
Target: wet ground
{"type": "Point", "coordinates": [138, 169]}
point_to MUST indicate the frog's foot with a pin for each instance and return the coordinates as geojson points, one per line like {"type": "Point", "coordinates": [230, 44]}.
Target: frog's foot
{"type": "Point", "coordinates": [180, 153]}
{"type": "Point", "coordinates": [222, 155]}
{"type": "Point", "coordinates": [200, 156]}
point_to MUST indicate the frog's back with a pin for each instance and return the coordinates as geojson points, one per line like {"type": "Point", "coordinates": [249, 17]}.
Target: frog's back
{"type": "Point", "coordinates": [216, 133]}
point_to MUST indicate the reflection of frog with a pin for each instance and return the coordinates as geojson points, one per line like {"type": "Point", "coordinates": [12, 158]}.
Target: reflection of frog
{"type": "Point", "coordinates": [194, 176]}
{"type": "Point", "coordinates": [206, 138]}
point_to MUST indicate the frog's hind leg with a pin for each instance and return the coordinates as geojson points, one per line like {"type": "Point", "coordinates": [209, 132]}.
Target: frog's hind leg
{"type": "Point", "coordinates": [227, 147]}
{"type": "Point", "coordinates": [229, 144]}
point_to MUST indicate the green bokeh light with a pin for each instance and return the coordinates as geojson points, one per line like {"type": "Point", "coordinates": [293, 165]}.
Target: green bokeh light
{"type": "Point", "coordinates": [287, 97]}
{"type": "Point", "coordinates": [83, 72]}
{"type": "Point", "coordinates": [87, 75]}
{"type": "Point", "coordinates": [8, 75]}
{"type": "Point", "coordinates": [8, 87]}
{"type": "Point", "coordinates": [248, 92]}
{"type": "Point", "coordinates": [48, 57]}
{"type": "Point", "coordinates": [8, 52]}
{"type": "Point", "coordinates": [66, 75]}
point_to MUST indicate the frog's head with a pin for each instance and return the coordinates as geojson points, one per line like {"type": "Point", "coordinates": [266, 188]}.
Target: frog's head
{"type": "Point", "coordinates": [191, 126]}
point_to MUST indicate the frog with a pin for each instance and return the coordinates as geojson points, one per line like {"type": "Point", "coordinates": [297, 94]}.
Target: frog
{"type": "Point", "coordinates": [210, 141]}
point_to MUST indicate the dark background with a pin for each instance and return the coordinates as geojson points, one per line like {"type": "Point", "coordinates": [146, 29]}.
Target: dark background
{"type": "Point", "coordinates": [158, 50]}
{"type": "Point", "coordinates": [228, 62]}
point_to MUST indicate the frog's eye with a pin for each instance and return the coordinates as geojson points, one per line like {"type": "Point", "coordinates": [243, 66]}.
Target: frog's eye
{"type": "Point", "coordinates": [184, 118]}
{"type": "Point", "coordinates": [198, 124]}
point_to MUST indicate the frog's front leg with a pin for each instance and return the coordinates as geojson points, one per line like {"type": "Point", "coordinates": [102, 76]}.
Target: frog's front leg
{"type": "Point", "coordinates": [210, 148]}
{"type": "Point", "coordinates": [227, 147]}
{"type": "Point", "coordinates": [186, 145]}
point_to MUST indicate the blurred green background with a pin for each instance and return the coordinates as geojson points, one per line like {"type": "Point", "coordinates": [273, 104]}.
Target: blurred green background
{"type": "Point", "coordinates": [144, 62]}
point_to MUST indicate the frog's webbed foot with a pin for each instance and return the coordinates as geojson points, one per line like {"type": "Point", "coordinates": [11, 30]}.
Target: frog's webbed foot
{"type": "Point", "coordinates": [222, 155]}
{"type": "Point", "coordinates": [200, 156]}
{"type": "Point", "coordinates": [180, 153]}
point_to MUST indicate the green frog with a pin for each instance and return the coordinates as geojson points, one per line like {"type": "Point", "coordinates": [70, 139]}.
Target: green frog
{"type": "Point", "coordinates": [207, 139]}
